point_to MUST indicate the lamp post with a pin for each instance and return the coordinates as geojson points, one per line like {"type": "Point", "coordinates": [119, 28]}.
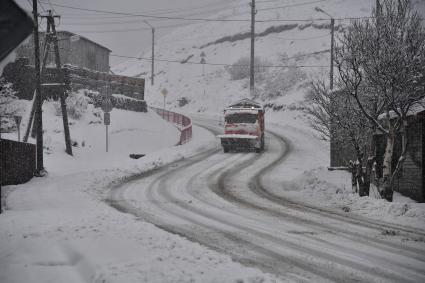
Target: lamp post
{"type": "Point", "coordinates": [331, 73]}
{"type": "Point", "coordinates": [153, 50]}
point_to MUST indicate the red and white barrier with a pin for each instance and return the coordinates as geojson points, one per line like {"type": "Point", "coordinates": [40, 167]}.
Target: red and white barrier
{"type": "Point", "coordinates": [183, 123]}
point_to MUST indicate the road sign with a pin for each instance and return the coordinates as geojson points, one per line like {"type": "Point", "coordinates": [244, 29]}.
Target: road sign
{"type": "Point", "coordinates": [164, 92]}
{"type": "Point", "coordinates": [106, 103]}
{"type": "Point", "coordinates": [107, 118]}
{"type": "Point", "coordinates": [18, 120]}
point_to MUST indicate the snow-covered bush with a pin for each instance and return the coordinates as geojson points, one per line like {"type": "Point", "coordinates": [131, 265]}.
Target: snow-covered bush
{"type": "Point", "coordinates": [183, 101]}
{"type": "Point", "coordinates": [241, 68]}
{"type": "Point", "coordinates": [280, 82]}
{"type": "Point", "coordinates": [9, 106]}
{"type": "Point", "coordinates": [76, 105]}
{"type": "Point", "coordinates": [7, 98]}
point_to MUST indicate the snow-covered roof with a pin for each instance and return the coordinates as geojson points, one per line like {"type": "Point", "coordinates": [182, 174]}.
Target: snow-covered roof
{"type": "Point", "coordinates": [245, 103]}
{"type": "Point", "coordinates": [230, 111]}
{"type": "Point", "coordinates": [414, 110]}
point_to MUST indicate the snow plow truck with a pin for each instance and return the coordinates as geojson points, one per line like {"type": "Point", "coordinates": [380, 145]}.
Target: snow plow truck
{"type": "Point", "coordinates": [243, 126]}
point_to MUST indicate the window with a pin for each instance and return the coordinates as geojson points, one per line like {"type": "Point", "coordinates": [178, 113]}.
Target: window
{"type": "Point", "coordinates": [241, 118]}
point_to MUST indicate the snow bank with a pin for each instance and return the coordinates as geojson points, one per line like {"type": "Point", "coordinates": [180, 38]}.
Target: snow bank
{"type": "Point", "coordinates": [304, 177]}
{"type": "Point", "coordinates": [59, 228]}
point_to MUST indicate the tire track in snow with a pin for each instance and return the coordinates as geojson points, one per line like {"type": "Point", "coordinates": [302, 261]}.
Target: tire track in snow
{"type": "Point", "coordinates": [244, 242]}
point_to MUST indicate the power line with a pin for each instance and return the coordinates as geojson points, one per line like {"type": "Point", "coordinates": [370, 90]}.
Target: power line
{"type": "Point", "coordinates": [198, 19]}
{"type": "Point", "coordinates": [53, 9]}
{"type": "Point", "coordinates": [224, 64]}
{"type": "Point", "coordinates": [44, 10]}
{"type": "Point", "coordinates": [291, 5]}
{"type": "Point", "coordinates": [79, 23]}
{"type": "Point", "coordinates": [305, 38]}
{"type": "Point", "coordinates": [129, 30]}
{"type": "Point", "coordinates": [266, 1]}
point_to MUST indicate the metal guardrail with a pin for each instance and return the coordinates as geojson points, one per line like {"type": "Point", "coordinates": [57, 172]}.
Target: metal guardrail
{"type": "Point", "coordinates": [183, 123]}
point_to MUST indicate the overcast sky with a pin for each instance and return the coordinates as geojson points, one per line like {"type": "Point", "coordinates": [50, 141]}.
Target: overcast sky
{"type": "Point", "coordinates": [109, 30]}
{"type": "Point", "coordinates": [102, 28]}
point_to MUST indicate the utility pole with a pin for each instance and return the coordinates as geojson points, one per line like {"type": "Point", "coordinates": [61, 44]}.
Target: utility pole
{"type": "Point", "coordinates": [51, 19]}
{"type": "Point", "coordinates": [203, 62]}
{"type": "Point", "coordinates": [50, 37]}
{"type": "Point", "coordinates": [331, 73]}
{"type": "Point", "coordinates": [251, 77]}
{"type": "Point", "coordinates": [31, 119]}
{"type": "Point", "coordinates": [39, 98]}
{"type": "Point", "coordinates": [153, 51]}
{"type": "Point", "coordinates": [153, 56]}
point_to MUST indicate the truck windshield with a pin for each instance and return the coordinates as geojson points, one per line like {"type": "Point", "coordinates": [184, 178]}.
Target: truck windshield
{"type": "Point", "coordinates": [241, 118]}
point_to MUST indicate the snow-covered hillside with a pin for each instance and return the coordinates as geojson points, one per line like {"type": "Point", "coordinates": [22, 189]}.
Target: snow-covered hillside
{"type": "Point", "coordinates": [129, 133]}
{"type": "Point", "coordinates": [292, 33]}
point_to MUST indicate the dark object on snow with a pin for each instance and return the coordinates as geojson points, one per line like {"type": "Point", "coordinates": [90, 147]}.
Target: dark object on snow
{"type": "Point", "coordinates": [136, 155]}
{"type": "Point", "coordinates": [17, 162]}
{"type": "Point", "coordinates": [345, 209]}
{"type": "Point", "coordinates": [15, 26]}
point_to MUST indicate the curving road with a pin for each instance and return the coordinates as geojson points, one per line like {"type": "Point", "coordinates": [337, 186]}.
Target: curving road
{"type": "Point", "coordinates": [222, 201]}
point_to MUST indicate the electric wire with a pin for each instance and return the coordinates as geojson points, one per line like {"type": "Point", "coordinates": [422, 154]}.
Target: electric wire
{"type": "Point", "coordinates": [200, 19]}
{"type": "Point", "coordinates": [228, 65]}
{"type": "Point", "coordinates": [51, 6]}
{"type": "Point", "coordinates": [301, 39]}
{"type": "Point", "coordinates": [42, 7]}
{"type": "Point", "coordinates": [291, 5]}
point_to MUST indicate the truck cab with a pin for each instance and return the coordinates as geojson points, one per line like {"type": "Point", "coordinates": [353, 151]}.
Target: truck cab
{"type": "Point", "coordinates": [243, 126]}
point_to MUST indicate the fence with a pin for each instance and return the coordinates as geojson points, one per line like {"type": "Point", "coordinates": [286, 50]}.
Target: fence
{"type": "Point", "coordinates": [183, 123]}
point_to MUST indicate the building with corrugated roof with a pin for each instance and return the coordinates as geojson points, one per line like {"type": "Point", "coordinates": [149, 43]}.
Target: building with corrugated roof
{"type": "Point", "coordinates": [74, 50]}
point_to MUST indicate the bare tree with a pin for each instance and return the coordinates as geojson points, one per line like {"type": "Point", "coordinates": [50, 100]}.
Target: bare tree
{"type": "Point", "coordinates": [335, 116]}
{"type": "Point", "coordinates": [387, 55]}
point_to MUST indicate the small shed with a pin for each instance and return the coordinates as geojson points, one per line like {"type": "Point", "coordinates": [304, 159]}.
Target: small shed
{"type": "Point", "coordinates": [411, 179]}
{"type": "Point", "coordinates": [74, 50]}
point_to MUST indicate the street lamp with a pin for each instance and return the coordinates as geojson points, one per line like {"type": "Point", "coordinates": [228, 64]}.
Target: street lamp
{"type": "Point", "coordinates": [331, 74]}
{"type": "Point", "coordinates": [153, 50]}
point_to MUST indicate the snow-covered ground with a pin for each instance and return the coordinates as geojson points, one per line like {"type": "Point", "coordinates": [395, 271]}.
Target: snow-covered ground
{"type": "Point", "coordinates": [60, 229]}
{"type": "Point", "coordinates": [209, 88]}
{"type": "Point", "coordinates": [304, 177]}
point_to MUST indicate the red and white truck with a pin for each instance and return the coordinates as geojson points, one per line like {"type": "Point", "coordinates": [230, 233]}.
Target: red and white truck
{"type": "Point", "coordinates": [243, 126]}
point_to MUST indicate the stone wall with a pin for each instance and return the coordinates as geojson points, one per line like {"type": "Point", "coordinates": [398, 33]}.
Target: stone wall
{"type": "Point", "coordinates": [22, 76]}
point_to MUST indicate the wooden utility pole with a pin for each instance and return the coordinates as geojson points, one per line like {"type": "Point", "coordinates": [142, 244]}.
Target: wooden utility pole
{"type": "Point", "coordinates": [43, 66]}
{"type": "Point", "coordinates": [51, 19]}
{"type": "Point", "coordinates": [153, 51]}
{"type": "Point", "coordinates": [39, 97]}
{"type": "Point", "coordinates": [153, 56]}
{"type": "Point", "coordinates": [331, 73]}
{"type": "Point", "coordinates": [251, 77]}
{"type": "Point", "coordinates": [50, 38]}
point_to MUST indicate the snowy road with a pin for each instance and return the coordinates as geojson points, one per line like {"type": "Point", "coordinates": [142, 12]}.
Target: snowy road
{"type": "Point", "coordinates": [223, 201]}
